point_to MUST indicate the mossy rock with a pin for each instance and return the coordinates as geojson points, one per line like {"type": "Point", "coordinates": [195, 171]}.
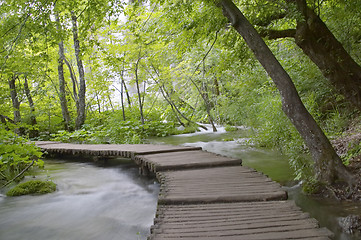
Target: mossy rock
{"type": "Point", "coordinates": [32, 187]}
{"type": "Point", "coordinates": [230, 128]}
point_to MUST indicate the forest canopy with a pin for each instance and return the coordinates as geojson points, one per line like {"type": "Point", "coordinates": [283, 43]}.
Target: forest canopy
{"type": "Point", "coordinates": [120, 71]}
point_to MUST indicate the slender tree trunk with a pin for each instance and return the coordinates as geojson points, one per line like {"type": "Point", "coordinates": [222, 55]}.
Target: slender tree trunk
{"type": "Point", "coordinates": [124, 85]}
{"type": "Point", "coordinates": [322, 47]}
{"type": "Point", "coordinates": [122, 99]}
{"type": "Point", "coordinates": [138, 92]}
{"type": "Point", "coordinates": [111, 103]}
{"type": "Point", "coordinates": [82, 86]}
{"type": "Point", "coordinates": [15, 99]}
{"type": "Point", "coordinates": [62, 92]}
{"type": "Point", "coordinates": [216, 86]}
{"type": "Point", "coordinates": [16, 104]}
{"type": "Point", "coordinates": [328, 165]}
{"type": "Point", "coordinates": [33, 132]}
{"type": "Point", "coordinates": [169, 101]}
{"type": "Point", "coordinates": [74, 83]}
{"type": "Point", "coordinates": [127, 93]}
{"type": "Point", "coordinates": [98, 102]}
{"type": "Point", "coordinates": [168, 98]}
{"type": "Point", "coordinates": [204, 93]}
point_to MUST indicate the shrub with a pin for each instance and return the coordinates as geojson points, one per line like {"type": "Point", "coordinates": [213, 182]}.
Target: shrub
{"type": "Point", "coordinates": [16, 154]}
{"type": "Point", "coordinates": [32, 187]}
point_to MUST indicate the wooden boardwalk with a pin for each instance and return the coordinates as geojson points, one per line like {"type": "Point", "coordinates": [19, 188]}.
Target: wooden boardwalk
{"type": "Point", "coordinates": [208, 196]}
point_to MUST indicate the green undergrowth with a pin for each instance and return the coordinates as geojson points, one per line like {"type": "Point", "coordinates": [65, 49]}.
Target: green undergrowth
{"type": "Point", "coordinates": [17, 156]}
{"type": "Point", "coordinates": [122, 132]}
{"type": "Point", "coordinates": [32, 187]}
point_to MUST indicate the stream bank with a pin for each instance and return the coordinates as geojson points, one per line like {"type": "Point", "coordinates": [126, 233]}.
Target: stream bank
{"type": "Point", "coordinates": [273, 164]}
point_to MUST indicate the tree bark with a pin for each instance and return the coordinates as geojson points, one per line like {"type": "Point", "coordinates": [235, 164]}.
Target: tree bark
{"type": "Point", "coordinates": [33, 132]}
{"type": "Point", "coordinates": [62, 92]}
{"type": "Point", "coordinates": [328, 165]}
{"type": "Point", "coordinates": [202, 93]}
{"type": "Point", "coordinates": [127, 93]}
{"type": "Point", "coordinates": [74, 82]}
{"type": "Point", "coordinates": [122, 99]}
{"type": "Point", "coordinates": [322, 47]}
{"type": "Point", "coordinates": [15, 103]}
{"type": "Point", "coordinates": [82, 86]}
{"type": "Point", "coordinates": [174, 107]}
{"type": "Point", "coordinates": [138, 92]}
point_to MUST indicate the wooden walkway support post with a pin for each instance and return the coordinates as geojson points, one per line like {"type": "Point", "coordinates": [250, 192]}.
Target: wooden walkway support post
{"type": "Point", "coordinates": [205, 196]}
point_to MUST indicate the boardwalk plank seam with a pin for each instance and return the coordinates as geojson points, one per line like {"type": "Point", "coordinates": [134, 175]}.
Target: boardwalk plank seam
{"type": "Point", "coordinates": [206, 196]}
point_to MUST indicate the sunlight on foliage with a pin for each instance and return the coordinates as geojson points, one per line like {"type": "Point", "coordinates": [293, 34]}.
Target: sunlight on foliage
{"type": "Point", "coordinates": [16, 153]}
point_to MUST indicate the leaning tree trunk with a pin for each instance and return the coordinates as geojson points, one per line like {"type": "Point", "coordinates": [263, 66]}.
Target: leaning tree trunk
{"type": "Point", "coordinates": [33, 132]}
{"type": "Point", "coordinates": [321, 46]}
{"type": "Point", "coordinates": [82, 87]}
{"type": "Point", "coordinates": [328, 165]}
{"type": "Point", "coordinates": [62, 92]}
{"type": "Point", "coordinates": [16, 104]}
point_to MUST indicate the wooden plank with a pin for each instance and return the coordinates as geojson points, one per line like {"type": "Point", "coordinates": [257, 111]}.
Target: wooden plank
{"type": "Point", "coordinates": [258, 221]}
{"type": "Point", "coordinates": [224, 235]}
{"type": "Point", "coordinates": [111, 149]}
{"type": "Point", "coordinates": [219, 184]}
{"type": "Point", "coordinates": [208, 196]}
{"type": "Point", "coordinates": [184, 160]}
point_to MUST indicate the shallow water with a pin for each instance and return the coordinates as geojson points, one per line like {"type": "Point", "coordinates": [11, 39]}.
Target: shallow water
{"type": "Point", "coordinates": [91, 202]}
{"type": "Point", "coordinates": [273, 164]}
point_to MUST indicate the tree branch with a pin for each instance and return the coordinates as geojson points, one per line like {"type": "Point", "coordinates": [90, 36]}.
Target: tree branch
{"type": "Point", "coordinates": [275, 34]}
{"type": "Point", "coordinates": [267, 21]}
{"type": "Point", "coordinates": [22, 172]}
{"type": "Point", "coordinates": [4, 118]}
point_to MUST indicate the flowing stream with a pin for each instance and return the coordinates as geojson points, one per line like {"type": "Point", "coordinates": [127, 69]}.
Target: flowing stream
{"type": "Point", "coordinates": [111, 201]}
{"type": "Point", "coordinates": [273, 164]}
{"type": "Point", "coordinates": [92, 202]}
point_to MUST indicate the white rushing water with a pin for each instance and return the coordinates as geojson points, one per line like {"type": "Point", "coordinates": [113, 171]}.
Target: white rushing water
{"type": "Point", "coordinates": [91, 203]}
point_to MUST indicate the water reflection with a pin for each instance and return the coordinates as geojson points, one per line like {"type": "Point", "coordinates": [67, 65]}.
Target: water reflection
{"type": "Point", "coordinates": [91, 203]}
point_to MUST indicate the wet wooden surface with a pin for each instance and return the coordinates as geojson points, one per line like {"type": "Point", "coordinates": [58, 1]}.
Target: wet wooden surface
{"type": "Point", "coordinates": [219, 184]}
{"type": "Point", "coordinates": [121, 150]}
{"type": "Point", "coordinates": [208, 196]}
{"type": "Point", "coordinates": [185, 160]}
{"type": "Point", "coordinates": [238, 221]}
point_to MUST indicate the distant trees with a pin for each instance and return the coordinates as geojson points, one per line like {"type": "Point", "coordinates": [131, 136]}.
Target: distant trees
{"type": "Point", "coordinates": [182, 62]}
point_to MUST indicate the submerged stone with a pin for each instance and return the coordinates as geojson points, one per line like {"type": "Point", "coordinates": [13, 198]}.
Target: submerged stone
{"type": "Point", "coordinates": [32, 187]}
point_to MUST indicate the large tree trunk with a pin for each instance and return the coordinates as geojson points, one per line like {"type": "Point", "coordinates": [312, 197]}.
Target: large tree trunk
{"type": "Point", "coordinates": [82, 87]}
{"type": "Point", "coordinates": [321, 46]}
{"type": "Point", "coordinates": [16, 104]}
{"type": "Point", "coordinates": [328, 165]}
{"type": "Point", "coordinates": [33, 132]}
{"type": "Point", "coordinates": [62, 92]}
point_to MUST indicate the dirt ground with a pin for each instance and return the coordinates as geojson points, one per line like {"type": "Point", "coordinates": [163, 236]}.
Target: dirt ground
{"type": "Point", "coordinates": [342, 145]}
